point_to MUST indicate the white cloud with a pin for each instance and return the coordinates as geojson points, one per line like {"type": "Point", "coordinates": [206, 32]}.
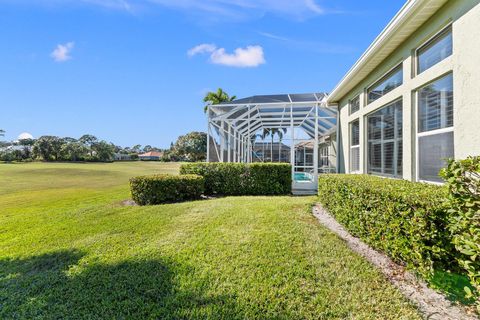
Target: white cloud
{"type": "Point", "coordinates": [249, 57]}
{"type": "Point", "coordinates": [202, 48]}
{"type": "Point", "coordinates": [62, 52]}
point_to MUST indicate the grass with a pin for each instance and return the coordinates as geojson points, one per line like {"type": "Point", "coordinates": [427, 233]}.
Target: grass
{"type": "Point", "coordinates": [69, 249]}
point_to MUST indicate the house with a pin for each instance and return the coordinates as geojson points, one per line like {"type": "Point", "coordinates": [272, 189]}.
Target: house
{"type": "Point", "coordinates": [151, 156]}
{"type": "Point", "coordinates": [121, 157]}
{"type": "Point", "coordinates": [410, 102]}
{"type": "Point", "coordinates": [412, 99]}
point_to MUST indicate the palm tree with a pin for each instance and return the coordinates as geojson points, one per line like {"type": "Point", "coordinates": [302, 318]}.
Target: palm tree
{"type": "Point", "coordinates": [217, 97]}
{"type": "Point", "coordinates": [268, 132]}
{"type": "Point", "coordinates": [2, 133]}
{"type": "Point", "coordinates": [280, 133]}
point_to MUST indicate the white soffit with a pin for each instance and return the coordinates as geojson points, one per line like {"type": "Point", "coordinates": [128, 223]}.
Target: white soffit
{"type": "Point", "coordinates": [412, 15]}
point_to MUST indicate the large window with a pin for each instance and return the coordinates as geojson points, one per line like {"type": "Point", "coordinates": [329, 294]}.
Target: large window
{"type": "Point", "coordinates": [355, 146]}
{"type": "Point", "coordinates": [385, 142]}
{"type": "Point", "coordinates": [354, 104]}
{"type": "Point", "coordinates": [436, 50]}
{"type": "Point", "coordinates": [389, 82]}
{"type": "Point", "coordinates": [435, 128]}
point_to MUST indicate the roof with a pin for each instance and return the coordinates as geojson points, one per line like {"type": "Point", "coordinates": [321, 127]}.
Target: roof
{"type": "Point", "coordinates": [273, 111]}
{"type": "Point", "coordinates": [412, 15]}
{"type": "Point", "coordinates": [151, 154]}
{"type": "Point", "coordinates": [279, 98]}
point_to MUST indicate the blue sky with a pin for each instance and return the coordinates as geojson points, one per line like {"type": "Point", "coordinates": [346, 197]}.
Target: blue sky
{"type": "Point", "coordinates": [135, 71]}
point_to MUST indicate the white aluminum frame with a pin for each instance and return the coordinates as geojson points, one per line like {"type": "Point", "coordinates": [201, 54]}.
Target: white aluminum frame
{"type": "Point", "coordinates": [238, 123]}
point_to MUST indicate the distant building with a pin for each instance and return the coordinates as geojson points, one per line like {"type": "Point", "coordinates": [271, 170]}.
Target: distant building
{"type": "Point", "coordinates": [121, 157]}
{"type": "Point", "coordinates": [151, 156]}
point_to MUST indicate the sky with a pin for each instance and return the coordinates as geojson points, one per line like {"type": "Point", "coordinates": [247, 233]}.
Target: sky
{"type": "Point", "coordinates": [135, 71]}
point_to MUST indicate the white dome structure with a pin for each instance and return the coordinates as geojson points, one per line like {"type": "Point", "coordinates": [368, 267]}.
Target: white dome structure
{"type": "Point", "coordinates": [24, 135]}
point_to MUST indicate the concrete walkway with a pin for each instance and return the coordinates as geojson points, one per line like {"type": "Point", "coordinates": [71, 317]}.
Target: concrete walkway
{"type": "Point", "coordinates": [432, 305]}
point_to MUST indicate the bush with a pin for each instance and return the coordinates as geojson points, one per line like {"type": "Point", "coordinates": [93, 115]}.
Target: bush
{"type": "Point", "coordinates": [164, 188]}
{"type": "Point", "coordinates": [406, 220]}
{"type": "Point", "coordinates": [243, 179]}
{"type": "Point", "coordinates": [463, 181]}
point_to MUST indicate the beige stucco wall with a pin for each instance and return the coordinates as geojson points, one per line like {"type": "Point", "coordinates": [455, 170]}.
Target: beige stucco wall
{"type": "Point", "coordinates": [465, 66]}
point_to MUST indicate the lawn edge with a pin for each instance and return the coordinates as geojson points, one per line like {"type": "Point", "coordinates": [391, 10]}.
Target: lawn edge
{"type": "Point", "coordinates": [432, 304]}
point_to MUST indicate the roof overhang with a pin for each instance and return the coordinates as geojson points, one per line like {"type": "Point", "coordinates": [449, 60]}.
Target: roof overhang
{"type": "Point", "coordinates": [412, 15]}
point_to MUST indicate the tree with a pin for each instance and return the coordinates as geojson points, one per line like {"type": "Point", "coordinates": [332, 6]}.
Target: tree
{"type": "Point", "coordinates": [74, 151]}
{"type": "Point", "coordinates": [48, 148]}
{"type": "Point", "coordinates": [269, 132]}
{"type": "Point", "coordinates": [147, 148]}
{"type": "Point", "coordinates": [88, 140]}
{"type": "Point", "coordinates": [217, 97]}
{"type": "Point", "coordinates": [26, 142]}
{"type": "Point", "coordinates": [2, 133]}
{"type": "Point", "coordinates": [137, 148]}
{"type": "Point", "coordinates": [103, 150]}
{"type": "Point", "coordinates": [190, 147]}
{"type": "Point", "coordinates": [280, 133]}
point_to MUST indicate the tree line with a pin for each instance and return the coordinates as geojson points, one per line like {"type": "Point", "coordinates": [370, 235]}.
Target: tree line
{"type": "Point", "coordinates": [189, 147]}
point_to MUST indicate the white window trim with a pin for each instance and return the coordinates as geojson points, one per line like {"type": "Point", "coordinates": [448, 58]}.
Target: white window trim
{"type": "Point", "coordinates": [423, 44]}
{"type": "Point", "coordinates": [391, 176]}
{"type": "Point", "coordinates": [379, 79]}
{"type": "Point", "coordinates": [418, 134]}
{"type": "Point", "coordinates": [352, 147]}
{"type": "Point", "coordinates": [350, 105]}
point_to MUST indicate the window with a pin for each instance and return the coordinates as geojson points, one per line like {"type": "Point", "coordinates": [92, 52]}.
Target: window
{"type": "Point", "coordinates": [389, 82]}
{"type": "Point", "coordinates": [385, 142]}
{"type": "Point", "coordinates": [435, 128]}
{"type": "Point", "coordinates": [323, 156]}
{"type": "Point", "coordinates": [436, 105]}
{"type": "Point", "coordinates": [355, 146]}
{"type": "Point", "coordinates": [434, 51]}
{"type": "Point", "coordinates": [354, 104]}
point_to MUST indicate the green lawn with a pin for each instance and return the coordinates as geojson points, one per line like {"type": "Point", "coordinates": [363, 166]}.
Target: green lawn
{"type": "Point", "coordinates": [69, 249]}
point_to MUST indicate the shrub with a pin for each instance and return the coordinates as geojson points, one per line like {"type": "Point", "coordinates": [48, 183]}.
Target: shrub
{"type": "Point", "coordinates": [463, 181]}
{"type": "Point", "coordinates": [164, 188]}
{"type": "Point", "coordinates": [243, 179]}
{"type": "Point", "coordinates": [406, 220]}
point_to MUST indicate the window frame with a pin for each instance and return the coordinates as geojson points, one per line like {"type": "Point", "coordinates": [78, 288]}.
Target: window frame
{"type": "Point", "coordinates": [419, 134]}
{"type": "Point", "coordinates": [394, 140]}
{"type": "Point", "coordinates": [352, 146]}
{"type": "Point", "coordinates": [357, 97]}
{"type": "Point", "coordinates": [385, 76]}
{"type": "Point", "coordinates": [429, 41]}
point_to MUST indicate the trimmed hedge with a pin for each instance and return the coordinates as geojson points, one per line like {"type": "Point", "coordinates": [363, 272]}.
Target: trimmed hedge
{"type": "Point", "coordinates": [234, 179]}
{"type": "Point", "coordinates": [463, 182]}
{"type": "Point", "coordinates": [406, 220]}
{"type": "Point", "coordinates": [165, 188]}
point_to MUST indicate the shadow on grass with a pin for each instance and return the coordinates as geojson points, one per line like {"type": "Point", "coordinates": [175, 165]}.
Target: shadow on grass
{"type": "Point", "coordinates": [452, 284]}
{"type": "Point", "coordinates": [47, 287]}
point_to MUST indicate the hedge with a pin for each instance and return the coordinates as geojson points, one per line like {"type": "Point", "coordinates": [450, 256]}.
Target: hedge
{"type": "Point", "coordinates": [463, 182]}
{"type": "Point", "coordinates": [165, 188]}
{"type": "Point", "coordinates": [406, 220]}
{"type": "Point", "coordinates": [243, 179]}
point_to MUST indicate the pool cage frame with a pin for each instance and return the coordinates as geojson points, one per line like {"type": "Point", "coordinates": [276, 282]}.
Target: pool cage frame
{"type": "Point", "coordinates": [237, 123]}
